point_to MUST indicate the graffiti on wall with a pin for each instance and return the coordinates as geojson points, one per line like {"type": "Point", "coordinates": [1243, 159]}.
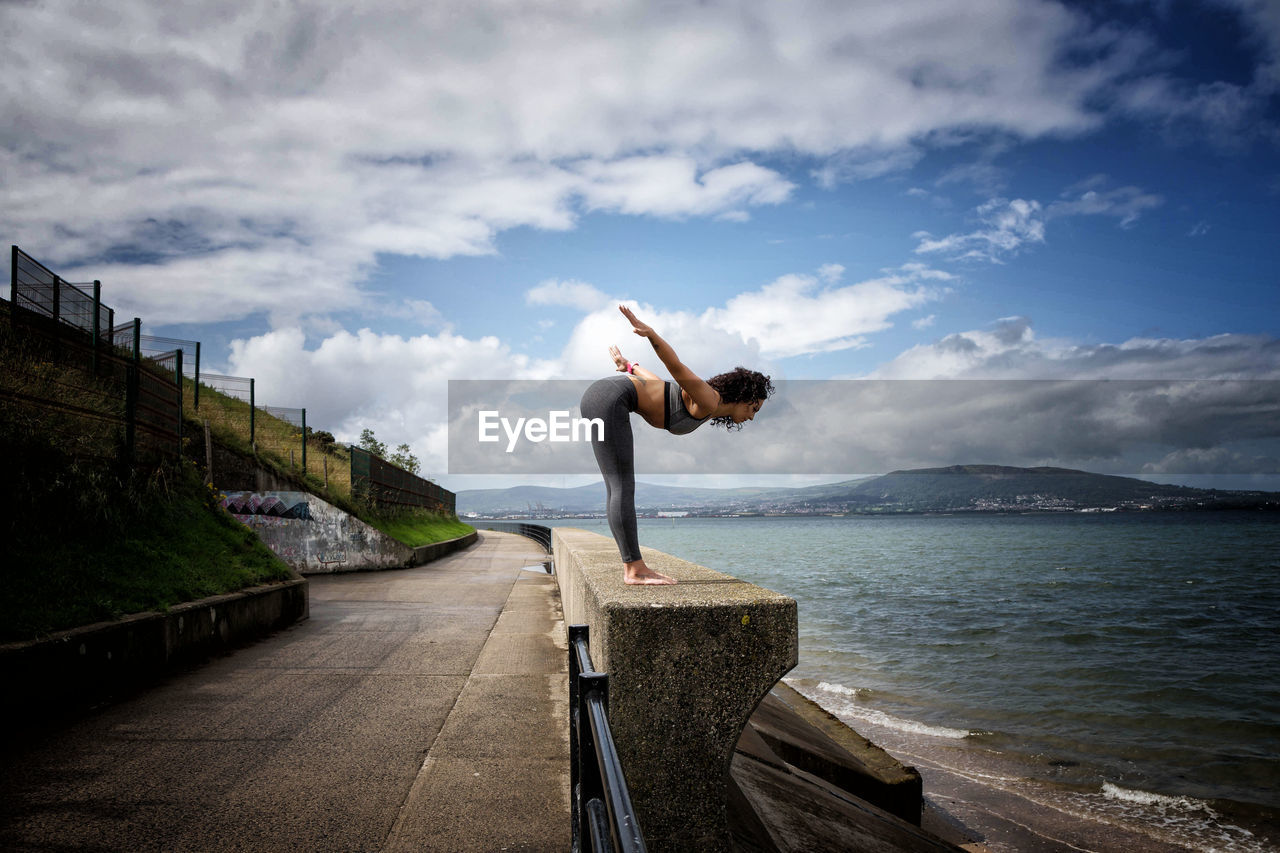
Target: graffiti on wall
{"type": "Point", "coordinates": [268, 505]}
{"type": "Point", "coordinates": [311, 535]}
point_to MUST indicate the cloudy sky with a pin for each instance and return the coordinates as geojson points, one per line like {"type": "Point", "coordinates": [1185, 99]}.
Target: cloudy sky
{"type": "Point", "coordinates": [355, 203]}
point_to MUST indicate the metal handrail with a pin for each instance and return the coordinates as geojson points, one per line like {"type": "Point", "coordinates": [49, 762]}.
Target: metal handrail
{"type": "Point", "coordinates": [539, 533]}
{"type": "Point", "coordinates": [599, 787]}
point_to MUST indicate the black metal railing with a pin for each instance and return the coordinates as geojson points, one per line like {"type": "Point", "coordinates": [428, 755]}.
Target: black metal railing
{"type": "Point", "coordinates": [539, 533]}
{"type": "Point", "coordinates": [604, 820]}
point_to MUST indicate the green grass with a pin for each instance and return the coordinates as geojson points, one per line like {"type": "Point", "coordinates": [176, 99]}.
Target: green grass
{"type": "Point", "coordinates": [86, 542]}
{"type": "Point", "coordinates": [415, 528]}
{"type": "Point", "coordinates": [76, 558]}
{"type": "Point", "coordinates": [273, 438]}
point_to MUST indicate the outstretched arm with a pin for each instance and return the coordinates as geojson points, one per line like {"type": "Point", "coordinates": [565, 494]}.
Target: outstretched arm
{"type": "Point", "coordinates": [703, 395]}
{"type": "Point", "coordinates": [645, 376]}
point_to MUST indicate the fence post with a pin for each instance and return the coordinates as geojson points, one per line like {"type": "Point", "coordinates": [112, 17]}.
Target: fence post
{"type": "Point", "coordinates": [252, 408]}
{"type": "Point", "coordinates": [177, 375]}
{"type": "Point", "coordinates": [208, 454]}
{"type": "Point", "coordinates": [196, 391]}
{"type": "Point", "coordinates": [131, 395]}
{"type": "Point", "coordinates": [97, 322]}
{"type": "Point", "coordinates": [57, 297]}
{"type": "Point", "coordinates": [304, 440]}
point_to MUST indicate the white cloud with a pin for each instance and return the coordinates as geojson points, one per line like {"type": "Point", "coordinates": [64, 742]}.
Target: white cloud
{"type": "Point", "coordinates": [1008, 226]}
{"type": "Point", "coordinates": [421, 312]}
{"type": "Point", "coordinates": [864, 164]}
{"type": "Point", "coordinates": [831, 273]}
{"type": "Point", "coordinates": [924, 322]}
{"type": "Point", "coordinates": [1214, 460]}
{"type": "Point", "coordinates": [1123, 203]}
{"type": "Point", "coordinates": [395, 385]}
{"type": "Point", "coordinates": [570, 293]}
{"type": "Point", "coordinates": [793, 315]}
{"type": "Point", "coordinates": [1010, 349]}
{"type": "Point", "coordinates": [671, 187]}
{"type": "Point", "coordinates": [215, 158]}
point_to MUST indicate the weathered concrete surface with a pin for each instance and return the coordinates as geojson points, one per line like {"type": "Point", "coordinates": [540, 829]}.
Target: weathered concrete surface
{"type": "Point", "coordinates": [424, 554]}
{"type": "Point", "coordinates": [802, 780]}
{"type": "Point", "coordinates": [807, 737]}
{"type": "Point", "coordinates": [386, 721]}
{"type": "Point", "coordinates": [687, 665]}
{"type": "Point", "coordinates": [315, 537]}
{"type": "Point", "coordinates": [791, 810]}
{"type": "Point", "coordinates": [86, 664]}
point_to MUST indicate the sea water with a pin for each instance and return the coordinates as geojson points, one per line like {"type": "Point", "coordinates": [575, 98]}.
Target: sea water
{"type": "Point", "coordinates": [1120, 667]}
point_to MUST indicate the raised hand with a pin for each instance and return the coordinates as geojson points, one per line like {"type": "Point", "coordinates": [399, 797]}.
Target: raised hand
{"type": "Point", "coordinates": [641, 329]}
{"type": "Point", "coordinates": [618, 361]}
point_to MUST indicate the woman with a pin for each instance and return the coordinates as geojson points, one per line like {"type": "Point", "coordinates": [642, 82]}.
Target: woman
{"type": "Point", "coordinates": [679, 407]}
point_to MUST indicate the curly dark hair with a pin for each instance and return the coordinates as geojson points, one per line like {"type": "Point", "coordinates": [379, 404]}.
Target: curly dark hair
{"type": "Point", "coordinates": [740, 386]}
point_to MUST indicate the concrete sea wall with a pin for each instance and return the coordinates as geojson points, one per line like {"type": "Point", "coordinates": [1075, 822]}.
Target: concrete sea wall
{"type": "Point", "coordinates": [717, 752]}
{"type": "Point", "coordinates": [687, 665]}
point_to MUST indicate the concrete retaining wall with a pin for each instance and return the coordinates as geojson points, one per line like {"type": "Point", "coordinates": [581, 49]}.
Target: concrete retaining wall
{"type": "Point", "coordinates": [96, 661]}
{"type": "Point", "coordinates": [687, 665]}
{"type": "Point", "coordinates": [315, 537]}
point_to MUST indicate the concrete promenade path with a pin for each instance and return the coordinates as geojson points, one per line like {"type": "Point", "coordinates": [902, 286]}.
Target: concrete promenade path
{"type": "Point", "coordinates": [417, 709]}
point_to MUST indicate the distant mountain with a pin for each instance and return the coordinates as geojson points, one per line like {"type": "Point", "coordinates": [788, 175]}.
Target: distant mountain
{"type": "Point", "coordinates": [998, 487]}
{"type": "Point", "coordinates": [649, 498]}
{"type": "Point", "coordinates": [958, 488]}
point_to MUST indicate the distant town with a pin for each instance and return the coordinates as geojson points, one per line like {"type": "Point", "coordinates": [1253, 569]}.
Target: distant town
{"type": "Point", "coordinates": [955, 490]}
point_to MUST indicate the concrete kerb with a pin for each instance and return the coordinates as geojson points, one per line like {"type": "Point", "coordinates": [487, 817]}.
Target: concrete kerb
{"type": "Point", "coordinates": [83, 665]}
{"type": "Point", "coordinates": [687, 666]}
{"type": "Point", "coordinates": [426, 553]}
{"type": "Point", "coordinates": [80, 666]}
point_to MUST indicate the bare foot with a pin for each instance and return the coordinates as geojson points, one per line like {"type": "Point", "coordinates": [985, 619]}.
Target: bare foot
{"type": "Point", "coordinates": [638, 573]}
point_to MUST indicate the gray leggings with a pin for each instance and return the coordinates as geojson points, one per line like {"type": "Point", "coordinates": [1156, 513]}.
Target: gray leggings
{"type": "Point", "coordinates": [613, 399]}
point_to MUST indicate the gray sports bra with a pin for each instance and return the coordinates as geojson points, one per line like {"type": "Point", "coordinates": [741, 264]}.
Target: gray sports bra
{"type": "Point", "coordinates": [675, 417]}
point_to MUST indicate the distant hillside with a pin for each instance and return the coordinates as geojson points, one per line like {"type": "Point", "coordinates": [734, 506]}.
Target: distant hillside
{"type": "Point", "coordinates": [958, 488]}
{"type": "Point", "coordinates": [1001, 487]}
{"type": "Point", "coordinates": [649, 498]}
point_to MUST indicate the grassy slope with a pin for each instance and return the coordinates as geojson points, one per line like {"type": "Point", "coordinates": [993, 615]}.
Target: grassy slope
{"type": "Point", "coordinates": [83, 546]}
{"type": "Point", "coordinates": [169, 544]}
{"type": "Point", "coordinates": [421, 528]}
{"type": "Point", "coordinates": [229, 424]}
{"type": "Point", "coordinates": [82, 541]}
